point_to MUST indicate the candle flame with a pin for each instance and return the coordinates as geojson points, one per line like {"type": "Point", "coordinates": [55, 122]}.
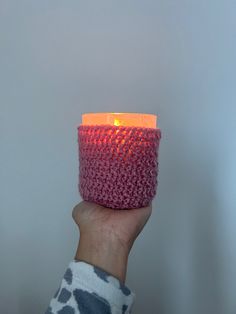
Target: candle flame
{"type": "Point", "coordinates": [116, 122]}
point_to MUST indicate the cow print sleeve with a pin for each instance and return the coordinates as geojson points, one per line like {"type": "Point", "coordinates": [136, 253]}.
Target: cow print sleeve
{"type": "Point", "coordinates": [86, 289]}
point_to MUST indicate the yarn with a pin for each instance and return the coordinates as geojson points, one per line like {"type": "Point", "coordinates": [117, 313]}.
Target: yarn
{"type": "Point", "coordinates": [118, 165]}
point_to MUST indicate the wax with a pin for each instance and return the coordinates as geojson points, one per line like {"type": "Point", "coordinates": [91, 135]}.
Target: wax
{"type": "Point", "coordinates": [120, 119]}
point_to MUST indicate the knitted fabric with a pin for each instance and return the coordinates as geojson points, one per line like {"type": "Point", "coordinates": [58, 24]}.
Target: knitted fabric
{"type": "Point", "coordinates": [118, 165]}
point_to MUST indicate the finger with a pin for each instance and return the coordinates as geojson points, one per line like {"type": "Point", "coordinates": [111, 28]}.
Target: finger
{"type": "Point", "coordinates": [83, 209]}
{"type": "Point", "coordinates": [78, 210]}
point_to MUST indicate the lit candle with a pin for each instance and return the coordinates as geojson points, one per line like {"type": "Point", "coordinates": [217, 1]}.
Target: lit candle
{"type": "Point", "coordinates": [118, 158]}
{"type": "Point", "coordinates": [120, 119]}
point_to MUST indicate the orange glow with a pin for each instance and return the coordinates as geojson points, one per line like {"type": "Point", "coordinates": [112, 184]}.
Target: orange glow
{"type": "Point", "coordinates": [116, 122]}
{"type": "Point", "coordinates": [120, 119]}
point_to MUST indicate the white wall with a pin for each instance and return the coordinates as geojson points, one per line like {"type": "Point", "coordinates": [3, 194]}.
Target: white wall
{"type": "Point", "coordinates": [59, 59]}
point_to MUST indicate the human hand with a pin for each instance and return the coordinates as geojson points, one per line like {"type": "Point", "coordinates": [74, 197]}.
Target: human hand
{"type": "Point", "coordinates": [107, 235]}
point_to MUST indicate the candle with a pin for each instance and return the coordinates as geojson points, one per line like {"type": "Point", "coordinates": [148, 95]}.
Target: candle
{"type": "Point", "coordinates": [120, 119]}
{"type": "Point", "coordinates": [118, 159]}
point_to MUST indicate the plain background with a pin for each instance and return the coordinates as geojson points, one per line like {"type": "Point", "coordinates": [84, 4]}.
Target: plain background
{"type": "Point", "coordinates": [176, 59]}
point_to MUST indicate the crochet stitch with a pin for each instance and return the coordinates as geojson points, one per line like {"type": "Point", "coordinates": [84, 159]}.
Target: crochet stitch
{"type": "Point", "coordinates": [118, 165]}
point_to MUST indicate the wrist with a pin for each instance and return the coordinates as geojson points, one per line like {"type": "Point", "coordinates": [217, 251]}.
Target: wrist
{"type": "Point", "coordinates": [104, 251]}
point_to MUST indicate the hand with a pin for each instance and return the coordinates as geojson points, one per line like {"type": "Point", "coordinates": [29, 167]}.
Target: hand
{"type": "Point", "coordinates": [107, 235]}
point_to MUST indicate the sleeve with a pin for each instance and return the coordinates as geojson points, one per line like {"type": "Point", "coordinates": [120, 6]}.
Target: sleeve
{"type": "Point", "coordinates": [87, 289]}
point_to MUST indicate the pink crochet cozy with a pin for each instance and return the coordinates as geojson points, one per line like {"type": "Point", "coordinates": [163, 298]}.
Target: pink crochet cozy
{"type": "Point", "coordinates": [118, 165]}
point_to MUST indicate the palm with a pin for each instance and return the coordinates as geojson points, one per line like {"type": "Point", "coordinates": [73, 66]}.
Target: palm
{"type": "Point", "coordinates": [125, 224]}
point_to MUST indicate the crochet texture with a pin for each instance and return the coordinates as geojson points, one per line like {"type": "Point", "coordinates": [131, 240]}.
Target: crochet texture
{"type": "Point", "coordinates": [118, 165]}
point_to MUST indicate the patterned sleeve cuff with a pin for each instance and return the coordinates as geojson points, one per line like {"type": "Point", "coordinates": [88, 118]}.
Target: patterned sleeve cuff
{"type": "Point", "coordinates": [88, 289]}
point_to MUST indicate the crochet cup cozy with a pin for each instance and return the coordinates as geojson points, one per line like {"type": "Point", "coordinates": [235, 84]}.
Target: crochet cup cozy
{"type": "Point", "coordinates": [118, 165]}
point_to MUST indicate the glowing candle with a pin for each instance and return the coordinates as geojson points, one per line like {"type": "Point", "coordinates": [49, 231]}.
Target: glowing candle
{"type": "Point", "coordinates": [120, 119]}
{"type": "Point", "coordinates": [118, 155]}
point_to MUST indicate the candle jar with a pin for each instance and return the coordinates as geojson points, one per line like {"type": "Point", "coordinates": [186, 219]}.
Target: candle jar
{"type": "Point", "coordinates": [118, 159]}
